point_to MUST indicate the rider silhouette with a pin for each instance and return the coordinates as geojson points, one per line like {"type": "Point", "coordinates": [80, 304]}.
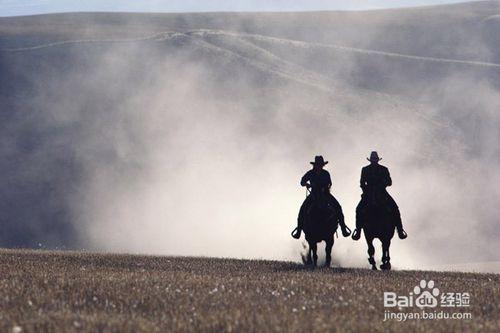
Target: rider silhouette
{"type": "Point", "coordinates": [318, 179]}
{"type": "Point", "coordinates": [374, 180]}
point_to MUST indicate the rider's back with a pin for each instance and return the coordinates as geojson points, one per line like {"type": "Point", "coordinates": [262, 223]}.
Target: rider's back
{"type": "Point", "coordinates": [319, 179]}
{"type": "Point", "coordinates": [375, 177]}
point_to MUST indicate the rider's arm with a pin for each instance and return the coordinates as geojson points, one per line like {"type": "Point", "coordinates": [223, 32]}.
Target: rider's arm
{"type": "Point", "coordinates": [329, 185]}
{"type": "Point", "coordinates": [305, 179]}
{"type": "Point", "coordinates": [388, 180]}
{"type": "Point", "coordinates": [362, 181]}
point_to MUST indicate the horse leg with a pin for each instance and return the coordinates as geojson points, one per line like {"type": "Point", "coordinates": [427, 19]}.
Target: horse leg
{"type": "Point", "coordinates": [386, 259]}
{"type": "Point", "coordinates": [314, 249]}
{"type": "Point", "coordinates": [308, 258]}
{"type": "Point", "coordinates": [371, 252]}
{"type": "Point", "coordinates": [328, 250]}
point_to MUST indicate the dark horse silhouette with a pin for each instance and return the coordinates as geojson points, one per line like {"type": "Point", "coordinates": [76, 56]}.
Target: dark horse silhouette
{"type": "Point", "coordinates": [378, 222]}
{"type": "Point", "coordinates": [321, 222]}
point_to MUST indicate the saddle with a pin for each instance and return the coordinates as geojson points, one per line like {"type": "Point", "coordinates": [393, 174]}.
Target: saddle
{"type": "Point", "coordinates": [377, 198]}
{"type": "Point", "coordinates": [320, 200]}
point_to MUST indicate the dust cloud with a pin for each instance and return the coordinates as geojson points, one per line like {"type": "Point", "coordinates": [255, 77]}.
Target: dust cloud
{"type": "Point", "coordinates": [194, 144]}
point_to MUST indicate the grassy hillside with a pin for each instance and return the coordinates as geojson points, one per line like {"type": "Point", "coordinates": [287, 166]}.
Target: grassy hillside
{"type": "Point", "coordinates": [59, 291]}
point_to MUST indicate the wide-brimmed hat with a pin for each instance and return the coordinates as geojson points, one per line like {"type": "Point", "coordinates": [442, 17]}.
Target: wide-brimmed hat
{"type": "Point", "coordinates": [374, 157]}
{"type": "Point", "coordinates": [318, 160]}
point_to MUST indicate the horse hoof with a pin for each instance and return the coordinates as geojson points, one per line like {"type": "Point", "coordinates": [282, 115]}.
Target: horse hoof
{"type": "Point", "coordinates": [386, 266]}
{"type": "Point", "coordinates": [374, 268]}
{"type": "Point", "coordinates": [309, 265]}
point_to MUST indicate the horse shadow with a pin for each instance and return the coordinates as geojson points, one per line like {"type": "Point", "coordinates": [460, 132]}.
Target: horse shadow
{"type": "Point", "coordinates": [299, 267]}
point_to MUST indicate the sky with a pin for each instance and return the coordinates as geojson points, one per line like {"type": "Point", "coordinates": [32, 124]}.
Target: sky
{"type": "Point", "coordinates": [31, 7]}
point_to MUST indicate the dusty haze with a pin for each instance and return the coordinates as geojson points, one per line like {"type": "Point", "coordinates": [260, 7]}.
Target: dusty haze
{"type": "Point", "coordinates": [187, 134]}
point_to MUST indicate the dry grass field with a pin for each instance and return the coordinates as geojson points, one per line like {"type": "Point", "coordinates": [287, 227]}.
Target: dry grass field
{"type": "Point", "coordinates": [44, 291]}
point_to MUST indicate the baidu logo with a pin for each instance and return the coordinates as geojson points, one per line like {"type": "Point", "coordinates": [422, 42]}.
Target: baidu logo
{"type": "Point", "coordinates": [426, 294]}
{"type": "Point", "coordinates": [432, 303]}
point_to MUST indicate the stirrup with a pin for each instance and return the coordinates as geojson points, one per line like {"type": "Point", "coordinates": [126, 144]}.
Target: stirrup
{"type": "Point", "coordinates": [296, 233]}
{"type": "Point", "coordinates": [402, 234]}
{"type": "Point", "coordinates": [347, 232]}
{"type": "Point", "coordinates": [356, 235]}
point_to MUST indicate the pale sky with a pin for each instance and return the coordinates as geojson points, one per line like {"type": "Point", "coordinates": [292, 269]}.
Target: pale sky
{"type": "Point", "coordinates": [30, 7]}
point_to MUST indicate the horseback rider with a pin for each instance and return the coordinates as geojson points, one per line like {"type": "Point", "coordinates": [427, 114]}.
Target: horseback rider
{"type": "Point", "coordinates": [374, 180]}
{"type": "Point", "coordinates": [319, 181]}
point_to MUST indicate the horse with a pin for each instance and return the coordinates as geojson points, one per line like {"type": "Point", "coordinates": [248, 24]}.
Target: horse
{"type": "Point", "coordinates": [378, 222]}
{"type": "Point", "coordinates": [321, 223]}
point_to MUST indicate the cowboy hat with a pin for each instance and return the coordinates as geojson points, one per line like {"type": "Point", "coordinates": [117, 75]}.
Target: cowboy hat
{"type": "Point", "coordinates": [319, 160]}
{"type": "Point", "coordinates": [374, 157]}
